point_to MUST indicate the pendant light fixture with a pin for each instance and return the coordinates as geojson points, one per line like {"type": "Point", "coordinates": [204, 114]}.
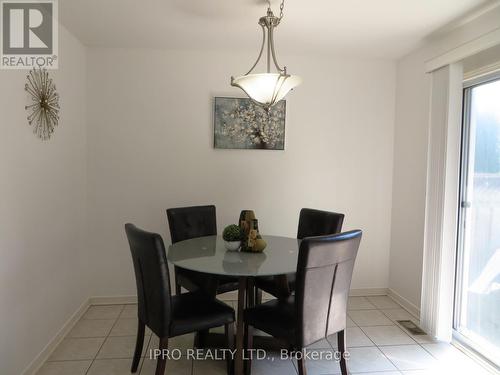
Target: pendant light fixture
{"type": "Point", "coordinates": [266, 89]}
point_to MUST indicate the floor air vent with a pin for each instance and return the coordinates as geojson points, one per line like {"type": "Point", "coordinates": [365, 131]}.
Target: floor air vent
{"type": "Point", "coordinates": [411, 327]}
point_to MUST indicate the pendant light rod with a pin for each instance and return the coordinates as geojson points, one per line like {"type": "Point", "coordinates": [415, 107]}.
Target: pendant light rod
{"type": "Point", "coordinates": [270, 30]}
{"type": "Point", "coordinates": [268, 23]}
{"type": "Point", "coordinates": [260, 53]}
{"type": "Point", "coordinates": [271, 38]}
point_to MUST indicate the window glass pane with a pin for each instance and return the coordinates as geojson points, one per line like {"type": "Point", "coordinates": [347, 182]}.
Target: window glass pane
{"type": "Point", "coordinates": [479, 294]}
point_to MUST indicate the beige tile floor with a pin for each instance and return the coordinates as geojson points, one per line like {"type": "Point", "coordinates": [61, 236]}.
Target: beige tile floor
{"type": "Point", "coordinates": [102, 343]}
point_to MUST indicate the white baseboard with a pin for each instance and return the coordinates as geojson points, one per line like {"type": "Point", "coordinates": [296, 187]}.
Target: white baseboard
{"type": "Point", "coordinates": [361, 292]}
{"type": "Point", "coordinates": [233, 296]}
{"type": "Point", "coordinates": [112, 300]}
{"type": "Point", "coordinates": [230, 296]}
{"type": "Point", "coordinates": [40, 359]}
{"type": "Point", "coordinates": [410, 307]}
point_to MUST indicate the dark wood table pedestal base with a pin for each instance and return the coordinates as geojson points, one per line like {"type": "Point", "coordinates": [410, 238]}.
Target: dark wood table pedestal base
{"type": "Point", "coordinates": [246, 298]}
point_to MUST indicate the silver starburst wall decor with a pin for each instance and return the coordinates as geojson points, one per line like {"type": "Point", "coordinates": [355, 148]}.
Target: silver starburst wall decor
{"type": "Point", "coordinates": [43, 107]}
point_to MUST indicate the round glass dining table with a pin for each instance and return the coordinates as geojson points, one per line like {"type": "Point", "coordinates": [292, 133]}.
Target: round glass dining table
{"type": "Point", "coordinates": [208, 255]}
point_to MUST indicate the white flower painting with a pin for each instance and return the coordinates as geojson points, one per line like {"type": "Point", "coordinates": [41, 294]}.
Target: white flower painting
{"type": "Point", "coordinates": [239, 123]}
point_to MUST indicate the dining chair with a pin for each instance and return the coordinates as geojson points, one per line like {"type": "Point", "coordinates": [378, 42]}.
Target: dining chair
{"type": "Point", "coordinates": [319, 307]}
{"type": "Point", "coordinates": [311, 223]}
{"type": "Point", "coordinates": [192, 222]}
{"type": "Point", "coordinates": [169, 316]}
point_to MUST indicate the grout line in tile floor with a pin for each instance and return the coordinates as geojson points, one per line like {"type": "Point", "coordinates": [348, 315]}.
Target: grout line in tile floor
{"type": "Point", "coordinates": [392, 363]}
{"type": "Point", "coordinates": [365, 335]}
{"type": "Point", "coordinates": [191, 371]}
{"type": "Point", "coordinates": [104, 341]}
{"type": "Point", "coordinates": [141, 364]}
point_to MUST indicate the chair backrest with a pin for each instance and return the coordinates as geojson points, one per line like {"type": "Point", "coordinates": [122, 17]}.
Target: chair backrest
{"type": "Point", "coordinates": [318, 223]}
{"type": "Point", "coordinates": [152, 278]}
{"type": "Point", "coordinates": [324, 273]}
{"type": "Point", "coordinates": [191, 222]}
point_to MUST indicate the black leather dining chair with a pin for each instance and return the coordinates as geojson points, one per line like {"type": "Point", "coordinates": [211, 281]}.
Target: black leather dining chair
{"type": "Point", "coordinates": [311, 223]}
{"type": "Point", "coordinates": [169, 316]}
{"type": "Point", "coordinates": [319, 307]}
{"type": "Point", "coordinates": [192, 222]}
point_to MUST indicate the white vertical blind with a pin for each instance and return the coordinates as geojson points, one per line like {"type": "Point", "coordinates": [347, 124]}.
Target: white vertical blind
{"type": "Point", "coordinates": [442, 201]}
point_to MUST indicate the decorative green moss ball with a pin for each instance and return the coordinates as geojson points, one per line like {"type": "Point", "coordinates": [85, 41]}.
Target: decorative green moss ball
{"type": "Point", "coordinates": [232, 233]}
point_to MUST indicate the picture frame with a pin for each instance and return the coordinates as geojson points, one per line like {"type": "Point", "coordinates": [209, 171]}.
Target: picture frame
{"type": "Point", "coordinates": [240, 123]}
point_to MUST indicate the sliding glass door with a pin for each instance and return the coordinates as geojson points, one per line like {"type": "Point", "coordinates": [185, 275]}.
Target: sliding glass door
{"type": "Point", "coordinates": [477, 302]}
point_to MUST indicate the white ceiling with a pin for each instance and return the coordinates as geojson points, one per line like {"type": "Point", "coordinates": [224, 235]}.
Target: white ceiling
{"type": "Point", "coordinates": [374, 28]}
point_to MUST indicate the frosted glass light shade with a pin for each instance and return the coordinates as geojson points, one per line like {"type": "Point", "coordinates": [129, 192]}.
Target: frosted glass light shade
{"type": "Point", "coordinates": [267, 88]}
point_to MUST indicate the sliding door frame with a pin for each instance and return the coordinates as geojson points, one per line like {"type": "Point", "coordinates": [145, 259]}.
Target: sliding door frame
{"type": "Point", "coordinates": [463, 205]}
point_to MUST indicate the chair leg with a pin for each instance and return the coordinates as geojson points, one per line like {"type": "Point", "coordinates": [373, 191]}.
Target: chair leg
{"type": "Point", "coordinates": [229, 332]}
{"type": "Point", "coordinates": [239, 362]}
{"type": "Point", "coordinates": [282, 286]}
{"type": "Point", "coordinates": [342, 346]}
{"type": "Point", "coordinates": [210, 289]}
{"type": "Point", "coordinates": [251, 293]}
{"type": "Point", "coordinates": [176, 283]}
{"type": "Point", "coordinates": [210, 286]}
{"type": "Point", "coordinates": [139, 343]}
{"type": "Point", "coordinates": [162, 360]}
{"type": "Point", "coordinates": [248, 347]}
{"type": "Point", "coordinates": [201, 339]}
{"type": "Point", "coordinates": [258, 296]}
{"type": "Point", "coordinates": [301, 364]}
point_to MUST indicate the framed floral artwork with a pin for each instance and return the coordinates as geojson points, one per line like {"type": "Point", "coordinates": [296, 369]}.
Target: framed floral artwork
{"type": "Point", "coordinates": [239, 123]}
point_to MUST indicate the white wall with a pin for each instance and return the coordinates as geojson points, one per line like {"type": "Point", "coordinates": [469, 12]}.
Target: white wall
{"type": "Point", "coordinates": [149, 129]}
{"type": "Point", "coordinates": [410, 153]}
{"type": "Point", "coordinates": [42, 215]}
{"type": "Point", "coordinates": [409, 180]}
{"type": "Point", "coordinates": [150, 148]}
